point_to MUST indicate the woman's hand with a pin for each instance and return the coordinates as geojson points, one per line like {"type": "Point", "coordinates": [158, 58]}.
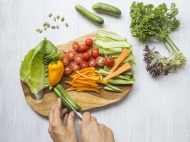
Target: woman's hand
{"type": "Point", "coordinates": [92, 131]}
{"type": "Point", "coordinates": [61, 124]}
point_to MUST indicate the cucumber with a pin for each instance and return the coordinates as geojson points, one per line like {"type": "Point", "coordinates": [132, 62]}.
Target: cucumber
{"type": "Point", "coordinates": [106, 8]}
{"type": "Point", "coordinates": [112, 44]}
{"type": "Point", "coordinates": [111, 36]}
{"type": "Point", "coordinates": [112, 88]}
{"type": "Point", "coordinates": [58, 94]}
{"type": "Point", "coordinates": [89, 15]}
{"type": "Point", "coordinates": [121, 81]}
{"type": "Point", "coordinates": [67, 97]}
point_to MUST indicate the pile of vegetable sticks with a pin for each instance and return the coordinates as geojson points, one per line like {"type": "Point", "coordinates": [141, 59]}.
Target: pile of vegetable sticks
{"type": "Point", "coordinates": [85, 80]}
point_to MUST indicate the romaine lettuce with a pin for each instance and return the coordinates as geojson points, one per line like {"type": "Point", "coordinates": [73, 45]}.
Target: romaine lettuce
{"type": "Point", "coordinates": [34, 67]}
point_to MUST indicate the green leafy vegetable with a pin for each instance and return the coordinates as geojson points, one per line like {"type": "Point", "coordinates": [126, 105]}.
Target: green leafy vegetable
{"type": "Point", "coordinates": [157, 22]}
{"type": "Point", "coordinates": [34, 69]}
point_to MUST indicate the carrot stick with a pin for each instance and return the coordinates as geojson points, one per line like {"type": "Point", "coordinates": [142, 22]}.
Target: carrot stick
{"type": "Point", "coordinates": [120, 70]}
{"type": "Point", "coordinates": [93, 78]}
{"type": "Point", "coordinates": [125, 52]}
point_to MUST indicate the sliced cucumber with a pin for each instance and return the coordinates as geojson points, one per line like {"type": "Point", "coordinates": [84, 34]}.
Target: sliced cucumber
{"type": "Point", "coordinates": [112, 88]}
{"type": "Point", "coordinates": [121, 81]}
{"type": "Point", "coordinates": [109, 35]}
{"type": "Point", "coordinates": [112, 44]}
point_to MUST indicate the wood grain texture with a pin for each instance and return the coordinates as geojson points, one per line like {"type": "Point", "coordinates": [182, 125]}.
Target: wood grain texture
{"type": "Point", "coordinates": [86, 100]}
{"type": "Point", "coordinates": [156, 110]}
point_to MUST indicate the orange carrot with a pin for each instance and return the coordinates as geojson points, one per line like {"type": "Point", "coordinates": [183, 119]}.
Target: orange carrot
{"type": "Point", "coordinates": [125, 52]}
{"type": "Point", "coordinates": [120, 70]}
{"type": "Point", "coordinates": [93, 78]}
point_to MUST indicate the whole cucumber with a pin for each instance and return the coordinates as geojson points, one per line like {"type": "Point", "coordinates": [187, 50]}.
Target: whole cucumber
{"type": "Point", "coordinates": [58, 94]}
{"type": "Point", "coordinates": [103, 7]}
{"type": "Point", "coordinates": [89, 15]}
{"type": "Point", "coordinates": [67, 97]}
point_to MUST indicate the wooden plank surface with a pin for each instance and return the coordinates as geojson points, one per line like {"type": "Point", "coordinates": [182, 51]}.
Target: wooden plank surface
{"type": "Point", "coordinates": [156, 110]}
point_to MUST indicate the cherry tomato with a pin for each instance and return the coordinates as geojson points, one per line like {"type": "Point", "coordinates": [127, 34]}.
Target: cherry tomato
{"type": "Point", "coordinates": [95, 53]}
{"type": "Point", "coordinates": [68, 69]}
{"type": "Point", "coordinates": [75, 67]}
{"type": "Point", "coordinates": [71, 54]}
{"type": "Point", "coordinates": [89, 42]}
{"type": "Point", "coordinates": [83, 64]}
{"type": "Point", "coordinates": [83, 48]}
{"type": "Point", "coordinates": [86, 56]}
{"type": "Point", "coordinates": [92, 62]}
{"type": "Point", "coordinates": [65, 60]}
{"type": "Point", "coordinates": [75, 46]}
{"type": "Point", "coordinates": [78, 58]}
{"type": "Point", "coordinates": [109, 61]}
{"type": "Point", "coordinates": [100, 61]}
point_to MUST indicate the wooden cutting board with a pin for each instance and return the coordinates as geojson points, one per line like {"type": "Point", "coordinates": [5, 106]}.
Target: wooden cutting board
{"type": "Point", "coordinates": [86, 100]}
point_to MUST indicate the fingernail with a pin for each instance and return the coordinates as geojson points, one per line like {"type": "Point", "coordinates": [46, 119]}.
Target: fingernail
{"type": "Point", "coordinates": [58, 100]}
{"type": "Point", "coordinates": [72, 113]}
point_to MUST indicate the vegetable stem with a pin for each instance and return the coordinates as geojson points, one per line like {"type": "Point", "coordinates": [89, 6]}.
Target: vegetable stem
{"type": "Point", "coordinates": [173, 43]}
{"type": "Point", "coordinates": [169, 44]}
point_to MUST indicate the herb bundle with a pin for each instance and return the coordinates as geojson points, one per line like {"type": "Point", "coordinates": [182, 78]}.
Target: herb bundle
{"type": "Point", "coordinates": [158, 22]}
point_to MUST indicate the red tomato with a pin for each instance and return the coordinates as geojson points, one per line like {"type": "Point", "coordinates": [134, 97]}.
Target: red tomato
{"type": "Point", "coordinates": [109, 61]}
{"type": "Point", "coordinates": [100, 61]}
{"type": "Point", "coordinates": [89, 42]}
{"type": "Point", "coordinates": [83, 64]}
{"type": "Point", "coordinates": [75, 67]}
{"type": "Point", "coordinates": [95, 53]}
{"type": "Point", "coordinates": [86, 56]}
{"type": "Point", "coordinates": [92, 62]}
{"type": "Point", "coordinates": [78, 58]}
{"type": "Point", "coordinates": [68, 69]}
{"type": "Point", "coordinates": [75, 46]}
{"type": "Point", "coordinates": [71, 54]}
{"type": "Point", "coordinates": [83, 48]}
{"type": "Point", "coordinates": [65, 60]}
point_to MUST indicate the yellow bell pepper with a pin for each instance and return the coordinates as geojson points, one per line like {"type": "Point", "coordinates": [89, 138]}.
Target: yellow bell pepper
{"type": "Point", "coordinates": [55, 72]}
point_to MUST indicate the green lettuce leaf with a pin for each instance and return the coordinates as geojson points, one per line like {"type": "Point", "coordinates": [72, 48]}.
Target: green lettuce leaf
{"type": "Point", "coordinates": [34, 68]}
{"type": "Point", "coordinates": [24, 74]}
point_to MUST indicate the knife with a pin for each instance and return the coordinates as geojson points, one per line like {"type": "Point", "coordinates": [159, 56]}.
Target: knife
{"type": "Point", "coordinates": [77, 113]}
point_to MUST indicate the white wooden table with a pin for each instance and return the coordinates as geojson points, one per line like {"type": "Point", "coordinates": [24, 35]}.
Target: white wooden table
{"type": "Point", "coordinates": [157, 110]}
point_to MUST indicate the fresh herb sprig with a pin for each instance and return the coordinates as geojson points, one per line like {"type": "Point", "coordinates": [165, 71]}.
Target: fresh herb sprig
{"type": "Point", "coordinates": [158, 22]}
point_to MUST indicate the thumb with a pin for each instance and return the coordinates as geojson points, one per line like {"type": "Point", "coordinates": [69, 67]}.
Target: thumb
{"type": "Point", "coordinates": [71, 120]}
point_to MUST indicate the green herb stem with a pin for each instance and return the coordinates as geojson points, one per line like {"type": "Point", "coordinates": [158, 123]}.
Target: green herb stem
{"type": "Point", "coordinates": [173, 43]}
{"type": "Point", "coordinates": [166, 46]}
{"type": "Point", "coordinates": [171, 46]}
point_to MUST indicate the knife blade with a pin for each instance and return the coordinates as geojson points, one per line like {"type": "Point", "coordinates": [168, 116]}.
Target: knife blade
{"type": "Point", "coordinates": [77, 113]}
